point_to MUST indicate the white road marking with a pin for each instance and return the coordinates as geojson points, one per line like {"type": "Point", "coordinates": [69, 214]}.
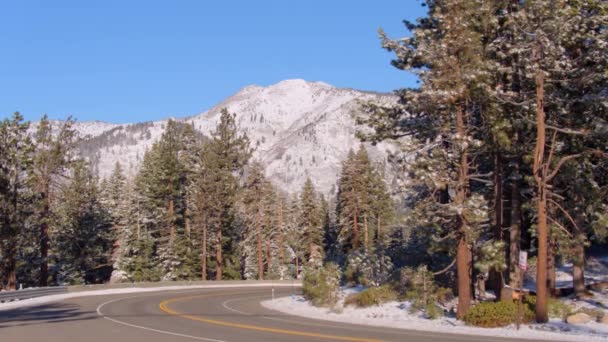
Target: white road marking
{"type": "Point", "coordinates": [147, 328]}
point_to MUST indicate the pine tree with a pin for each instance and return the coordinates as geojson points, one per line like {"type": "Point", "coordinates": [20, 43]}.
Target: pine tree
{"type": "Point", "coordinates": [281, 213]}
{"type": "Point", "coordinates": [566, 44]}
{"type": "Point", "coordinates": [114, 200]}
{"type": "Point", "coordinates": [165, 191]}
{"type": "Point", "coordinates": [363, 203]}
{"type": "Point", "coordinates": [53, 153]}
{"type": "Point", "coordinates": [310, 221]}
{"type": "Point", "coordinates": [224, 157]}
{"type": "Point", "coordinates": [83, 239]}
{"type": "Point", "coordinates": [15, 197]}
{"type": "Point", "coordinates": [256, 199]}
{"type": "Point", "coordinates": [446, 51]}
{"type": "Point", "coordinates": [349, 204]}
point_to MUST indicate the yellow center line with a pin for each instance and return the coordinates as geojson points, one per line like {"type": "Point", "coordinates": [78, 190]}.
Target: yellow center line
{"type": "Point", "coordinates": [164, 306]}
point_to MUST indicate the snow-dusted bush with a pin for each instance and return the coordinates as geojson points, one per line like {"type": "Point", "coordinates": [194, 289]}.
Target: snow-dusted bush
{"type": "Point", "coordinates": [321, 286]}
{"type": "Point", "coordinates": [372, 296]}
{"type": "Point", "coordinates": [496, 314]}
{"type": "Point", "coordinates": [367, 270]}
{"type": "Point", "coordinates": [419, 287]}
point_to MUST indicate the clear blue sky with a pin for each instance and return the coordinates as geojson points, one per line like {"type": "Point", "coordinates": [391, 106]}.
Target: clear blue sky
{"type": "Point", "coordinates": [126, 61]}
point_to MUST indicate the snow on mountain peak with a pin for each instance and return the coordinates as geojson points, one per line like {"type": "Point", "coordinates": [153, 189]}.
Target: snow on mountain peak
{"type": "Point", "coordinates": [299, 129]}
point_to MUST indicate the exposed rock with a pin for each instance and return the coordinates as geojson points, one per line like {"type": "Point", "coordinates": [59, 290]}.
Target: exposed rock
{"type": "Point", "coordinates": [578, 318]}
{"type": "Point", "coordinates": [603, 319]}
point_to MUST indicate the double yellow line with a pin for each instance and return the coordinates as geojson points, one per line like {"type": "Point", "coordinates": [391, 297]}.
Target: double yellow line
{"type": "Point", "coordinates": [164, 306]}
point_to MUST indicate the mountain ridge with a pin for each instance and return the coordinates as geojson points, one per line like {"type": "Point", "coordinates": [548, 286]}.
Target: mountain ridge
{"type": "Point", "coordinates": [298, 128]}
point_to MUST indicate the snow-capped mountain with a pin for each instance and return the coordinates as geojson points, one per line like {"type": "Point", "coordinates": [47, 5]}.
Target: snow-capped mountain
{"type": "Point", "coordinates": [298, 129]}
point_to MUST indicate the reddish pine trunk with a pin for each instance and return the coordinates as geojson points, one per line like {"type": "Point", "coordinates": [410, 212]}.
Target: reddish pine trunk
{"type": "Point", "coordinates": [204, 248]}
{"type": "Point", "coordinates": [541, 203]}
{"type": "Point", "coordinates": [379, 236]}
{"type": "Point", "coordinates": [281, 252]}
{"type": "Point", "coordinates": [170, 213]}
{"type": "Point", "coordinates": [269, 256]}
{"type": "Point", "coordinates": [463, 254]}
{"type": "Point", "coordinates": [496, 277]}
{"type": "Point", "coordinates": [44, 240]}
{"type": "Point", "coordinates": [366, 232]}
{"type": "Point", "coordinates": [218, 253]}
{"type": "Point", "coordinates": [515, 232]}
{"type": "Point", "coordinates": [463, 264]}
{"type": "Point", "coordinates": [578, 270]}
{"type": "Point", "coordinates": [259, 247]}
{"type": "Point", "coordinates": [578, 264]}
{"type": "Point", "coordinates": [355, 230]}
{"type": "Point", "coordinates": [11, 267]}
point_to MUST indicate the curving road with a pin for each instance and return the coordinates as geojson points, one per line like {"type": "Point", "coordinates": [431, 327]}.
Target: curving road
{"type": "Point", "coordinates": [216, 315]}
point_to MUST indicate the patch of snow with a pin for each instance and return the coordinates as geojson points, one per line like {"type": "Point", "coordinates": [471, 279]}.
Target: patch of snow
{"type": "Point", "coordinates": [397, 315]}
{"type": "Point", "coordinates": [596, 270]}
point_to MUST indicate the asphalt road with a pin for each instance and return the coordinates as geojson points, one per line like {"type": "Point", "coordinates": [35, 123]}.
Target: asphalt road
{"type": "Point", "coordinates": [215, 315]}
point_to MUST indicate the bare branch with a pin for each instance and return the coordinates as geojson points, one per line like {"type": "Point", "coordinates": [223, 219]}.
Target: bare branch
{"type": "Point", "coordinates": [560, 163]}
{"type": "Point", "coordinates": [568, 131]}
{"type": "Point", "coordinates": [553, 139]}
{"type": "Point", "coordinates": [484, 181]}
{"type": "Point", "coordinates": [560, 226]}
{"type": "Point", "coordinates": [565, 213]}
{"type": "Point", "coordinates": [557, 129]}
{"type": "Point", "coordinates": [445, 269]}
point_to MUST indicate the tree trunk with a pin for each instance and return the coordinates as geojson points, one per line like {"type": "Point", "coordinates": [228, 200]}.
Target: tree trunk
{"type": "Point", "coordinates": [260, 252]}
{"type": "Point", "coordinates": [268, 255]}
{"type": "Point", "coordinates": [297, 268]}
{"type": "Point", "coordinates": [44, 239]}
{"type": "Point", "coordinates": [366, 234]}
{"type": "Point", "coordinates": [11, 267]}
{"type": "Point", "coordinates": [515, 230]}
{"type": "Point", "coordinates": [578, 262]}
{"type": "Point", "coordinates": [379, 237]}
{"type": "Point", "coordinates": [2, 286]}
{"type": "Point", "coordinates": [355, 230]}
{"type": "Point", "coordinates": [463, 255]}
{"type": "Point", "coordinates": [496, 277]}
{"type": "Point", "coordinates": [541, 202]}
{"type": "Point", "coordinates": [204, 252]}
{"type": "Point", "coordinates": [463, 264]}
{"type": "Point", "coordinates": [281, 240]}
{"type": "Point", "coordinates": [578, 270]}
{"type": "Point", "coordinates": [218, 253]}
{"type": "Point", "coordinates": [170, 214]}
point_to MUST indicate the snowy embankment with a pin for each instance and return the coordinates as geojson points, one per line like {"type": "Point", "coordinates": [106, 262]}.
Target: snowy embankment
{"type": "Point", "coordinates": [398, 315]}
{"type": "Point", "coordinates": [118, 291]}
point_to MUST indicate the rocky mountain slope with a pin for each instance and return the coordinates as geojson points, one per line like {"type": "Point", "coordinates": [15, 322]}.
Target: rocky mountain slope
{"type": "Point", "coordinates": [298, 129]}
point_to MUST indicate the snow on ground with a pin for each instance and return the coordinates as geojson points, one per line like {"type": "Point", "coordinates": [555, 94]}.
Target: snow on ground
{"type": "Point", "coordinates": [64, 296]}
{"type": "Point", "coordinates": [596, 270]}
{"type": "Point", "coordinates": [397, 315]}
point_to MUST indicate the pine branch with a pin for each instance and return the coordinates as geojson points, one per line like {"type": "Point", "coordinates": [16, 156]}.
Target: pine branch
{"type": "Point", "coordinates": [440, 239]}
{"type": "Point", "coordinates": [445, 269]}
